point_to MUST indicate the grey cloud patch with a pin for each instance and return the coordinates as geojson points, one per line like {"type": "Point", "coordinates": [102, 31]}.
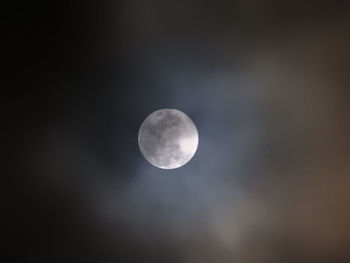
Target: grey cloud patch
{"type": "Point", "coordinates": [270, 178]}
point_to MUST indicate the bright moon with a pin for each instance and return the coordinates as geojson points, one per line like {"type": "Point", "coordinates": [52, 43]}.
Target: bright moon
{"type": "Point", "coordinates": [168, 138]}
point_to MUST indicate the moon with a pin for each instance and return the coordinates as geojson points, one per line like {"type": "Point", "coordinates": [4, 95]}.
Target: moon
{"type": "Point", "coordinates": [168, 138]}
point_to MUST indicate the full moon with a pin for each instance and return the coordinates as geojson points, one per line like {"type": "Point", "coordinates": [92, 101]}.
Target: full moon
{"type": "Point", "coordinates": [168, 138]}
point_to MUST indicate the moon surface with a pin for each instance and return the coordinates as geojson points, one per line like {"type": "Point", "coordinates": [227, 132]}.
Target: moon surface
{"type": "Point", "coordinates": [168, 138]}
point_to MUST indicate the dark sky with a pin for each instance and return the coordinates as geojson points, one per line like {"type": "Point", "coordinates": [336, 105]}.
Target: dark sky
{"type": "Point", "coordinates": [267, 84]}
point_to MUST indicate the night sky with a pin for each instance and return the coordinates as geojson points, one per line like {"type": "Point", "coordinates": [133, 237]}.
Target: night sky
{"type": "Point", "coordinates": [267, 84]}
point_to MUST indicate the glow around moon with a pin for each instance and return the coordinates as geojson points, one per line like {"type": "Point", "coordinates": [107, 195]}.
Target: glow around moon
{"type": "Point", "coordinates": [168, 138]}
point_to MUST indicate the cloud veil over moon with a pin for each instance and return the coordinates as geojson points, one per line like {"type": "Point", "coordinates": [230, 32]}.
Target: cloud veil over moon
{"type": "Point", "coordinates": [266, 83]}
